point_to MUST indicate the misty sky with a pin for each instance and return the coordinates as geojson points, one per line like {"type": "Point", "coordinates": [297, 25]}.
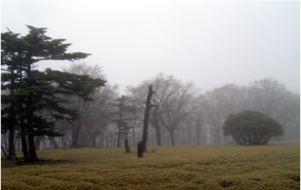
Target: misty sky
{"type": "Point", "coordinates": [208, 43]}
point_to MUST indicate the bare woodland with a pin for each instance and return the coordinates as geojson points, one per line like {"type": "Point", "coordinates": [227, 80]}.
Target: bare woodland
{"type": "Point", "coordinates": [183, 115]}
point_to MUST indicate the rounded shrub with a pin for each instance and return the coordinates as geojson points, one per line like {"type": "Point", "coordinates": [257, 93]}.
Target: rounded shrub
{"type": "Point", "coordinates": [251, 127]}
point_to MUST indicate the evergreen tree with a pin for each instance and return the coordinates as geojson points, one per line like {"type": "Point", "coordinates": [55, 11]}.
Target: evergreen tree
{"type": "Point", "coordinates": [121, 115]}
{"type": "Point", "coordinates": [32, 92]}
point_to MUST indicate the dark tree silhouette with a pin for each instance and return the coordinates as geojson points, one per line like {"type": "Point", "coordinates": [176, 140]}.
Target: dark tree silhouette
{"type": "Point", "coordinates": [142, 144]}
{"type": "Point", "coordinates": [127, 147]}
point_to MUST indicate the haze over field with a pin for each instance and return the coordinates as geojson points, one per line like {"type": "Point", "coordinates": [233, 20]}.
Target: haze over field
{"type": "Point", "coordinates": [209, 43]}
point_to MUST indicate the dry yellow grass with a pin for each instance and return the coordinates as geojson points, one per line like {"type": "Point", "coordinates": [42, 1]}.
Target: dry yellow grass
{"type": "Point", "coordinates": [275, 166]}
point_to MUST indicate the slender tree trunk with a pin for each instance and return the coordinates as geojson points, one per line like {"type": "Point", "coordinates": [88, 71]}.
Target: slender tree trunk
{"type": "Point", "coordinates": [158, 136]}
{"type": "Point", "coordinates": [3, 150]}
{"type": "Point", "coordinates": [53, 142]}
{"type": "Point", "coordinates": [38, 142]}
{"type": "Point", "coordinates": [73, 134]}
{"type": "Point", "coordinates": [112, 139]}
{"type": "Point", "coordinates": [119, 137]}
{"type": "Point", "coordinates": [11, 145]}
{"type": "Point", "coordinates": [4, 138]}
{"type": "Point", "coordinates": [30, 137]}
{"type": "Point", "coordinates": [76, 135]}
{"type": "Point", "coordinates": [25, 149]}
{"type": "Point", "coordinates": [23, 140]}
{"type": "Point", "coordinates": [142, 144]}
{"type": "Point", "coordinates": [198, 132]}
{"type": "Point", "coordinates": [107, 142]}
{"type": "Point", "coordinates": [156, 126]}
{"type": "Point", "coordinates": [67, 140]}
{"type": "Point", "coordinates": [127, 147]}
{"type": "Point", "coordinates": [172, 137]}
{"type": "Point", "coordinates": [11, 131]}
{"type": "Point", "coordinates": [94, 138]}
{"type": "Point", "coordinates": [19, 145]}
{"type": "Point", "coordinates": [134, 136]}
{"type": "Point", "coordinates": [32, 149]}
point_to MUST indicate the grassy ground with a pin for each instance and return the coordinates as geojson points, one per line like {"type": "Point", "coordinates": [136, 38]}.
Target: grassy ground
{"type": "Point", "coordinates": [274, 166]}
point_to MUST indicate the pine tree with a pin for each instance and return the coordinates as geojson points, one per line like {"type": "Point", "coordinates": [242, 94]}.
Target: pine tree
{"type": "Point", "coordinates": [32, 92]}
{"type": "Point", "coordinates": [123, 109]}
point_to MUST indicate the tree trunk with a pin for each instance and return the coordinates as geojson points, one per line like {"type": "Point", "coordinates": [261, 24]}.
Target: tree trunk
{"type": "Point", "coordinates": [126, 144]}
{"type": "Point", "coordinates": [142, 144]}
{"type": "Point", "coordinates": [158, 136]}
{"type": "Point", "coordinates": [76, 135]}
{"type": "Point", "coordinates": [133, 136]}
{"type": "Point", "coordinates": [172, 137]}
{"type": "Point", "coordinates": [53, 142]}
{"type": "Point", "coordinates": [4, 138]}
{"type": "Point", "coordinates": [94, 139]}
{"type": "Point", "coordinates": [107, 142]}
{"type": "Point", "coordinates": [3, 150]}
{"type": "Point", "coordinates": [11, 145]}
{"type": "Point", "coordinates": [38, 142]}
{"type": "Point", "coordinates": [11, 130]}
{"type": "Point", "coordinates": [156, 126]}
{"type": "Point", "coordinates": [67, 140]}
{"type": "Point", "coordinates": [141, 147]}
{"type": "Point", "coordinates": [119, 136]}
{"type": "Point", "coordinates": [24, 148]}
{"type": "Point", "coordinates": [19, 145]}
{"type": "Point", "coordinates": [198, 132]}
{"type": "Point", "coordinates": [32, 149]}
{"type": "Point", "coordinates": [24, 142]}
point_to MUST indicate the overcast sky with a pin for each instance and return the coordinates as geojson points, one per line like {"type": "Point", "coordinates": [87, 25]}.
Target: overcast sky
{"type": "Point", "coordinates": [208, 43]}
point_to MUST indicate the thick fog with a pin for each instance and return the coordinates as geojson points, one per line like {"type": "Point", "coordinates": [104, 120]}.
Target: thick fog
{"type": "Point", "coordinates": [209, 43]}
{"type": "Point", "coordinates": [204, 59]}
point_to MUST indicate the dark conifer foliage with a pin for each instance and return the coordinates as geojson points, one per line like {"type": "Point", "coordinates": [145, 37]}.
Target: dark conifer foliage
{"type": "Point", "coordinates": [31, 93]}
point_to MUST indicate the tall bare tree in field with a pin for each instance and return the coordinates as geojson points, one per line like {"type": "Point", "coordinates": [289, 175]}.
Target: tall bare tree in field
{"type": "Point", "coordinates": [174, 100]}
{"type": "Point", "coordinates": [142, 144]}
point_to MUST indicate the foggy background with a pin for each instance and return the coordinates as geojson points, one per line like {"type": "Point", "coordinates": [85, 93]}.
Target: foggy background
{"type": "Point", "coordinates": [209, 43]}
{"type": "Point", "coordinates": [242, 55]}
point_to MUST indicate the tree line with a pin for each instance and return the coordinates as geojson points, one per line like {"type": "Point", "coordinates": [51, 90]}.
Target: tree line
{"type": "Point", "coordinates": [77, 107]}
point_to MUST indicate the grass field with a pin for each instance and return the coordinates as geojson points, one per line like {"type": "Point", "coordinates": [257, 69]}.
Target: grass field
{"type": "Point", "coordinates": [274, 166]}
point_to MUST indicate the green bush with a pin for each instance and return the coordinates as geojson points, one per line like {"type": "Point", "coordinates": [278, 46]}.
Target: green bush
{"type": "Point", "coordinates": [251, 127]}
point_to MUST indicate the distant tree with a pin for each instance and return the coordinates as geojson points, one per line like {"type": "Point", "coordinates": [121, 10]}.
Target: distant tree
{"type": "Point", "coordinates": [199, 116]}
{"type": "Point", "coordinates": [122, 115]}
{"type": "Point", "coordinates": [218, 104]}
{"type": "Point", "coordinates": [93, 116]}
{"type": "Point", "coordinates": [174, 100]}
{"type": "Point", "coordinates": [273, 99]}
{"type": "Point", "coordinates": [176, 104]}
{"type": "Point", "coordinates": [251, 127]}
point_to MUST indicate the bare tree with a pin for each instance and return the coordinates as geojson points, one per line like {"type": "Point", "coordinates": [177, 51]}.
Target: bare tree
{"type": "Point", "coordinates": [93, 116]}
{"type": "Point", "coordinates": [174, 100]}
{"type": "Point", "coordinates": [219, 103]}
{"type": "Point", "coordinates": [267, 96]}
{"type": "Point", "coordinates": [142, 144]}
{"type": "Point", "coordinates": [273, 99]}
